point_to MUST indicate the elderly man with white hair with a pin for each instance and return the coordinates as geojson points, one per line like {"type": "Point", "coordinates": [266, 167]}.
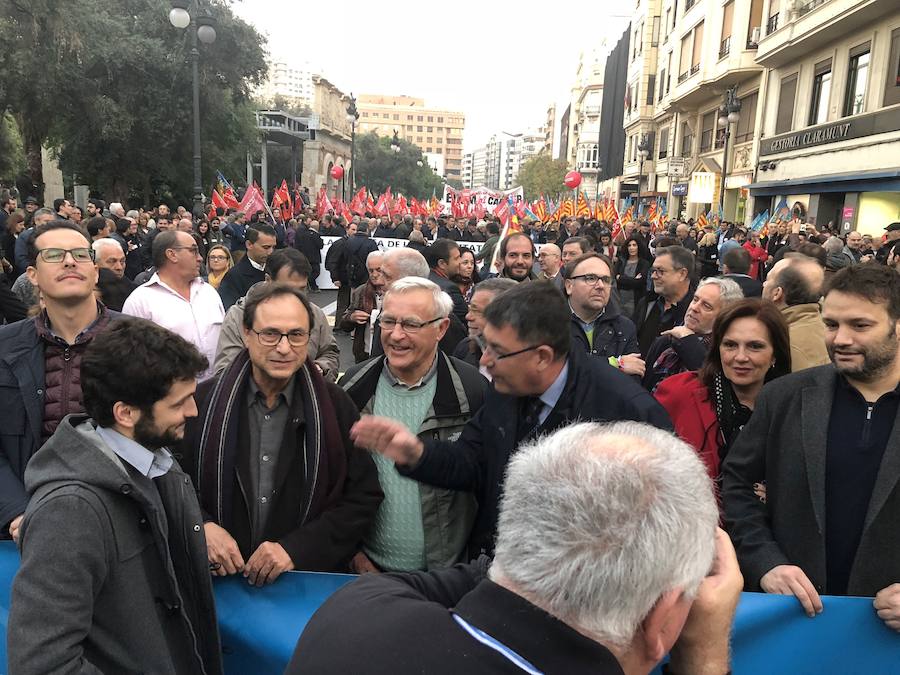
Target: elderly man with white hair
{"type": "Point", "coordinates": [418, 526]}
{"type": "Point", "coordinates": [108, 254]}
{"type": "Point", "coordinates": [608, 557]}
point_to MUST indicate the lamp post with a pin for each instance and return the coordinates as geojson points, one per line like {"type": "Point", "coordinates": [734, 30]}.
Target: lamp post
{"type": "Point", "coordinates": [643, 151]}
{"type": "Point", "coordinates": [729, 114]}
{"type": "Point", "coordinates": [352, 116]}
{"type": "Point", "coordinates": [204, 30]}
{"type": "Point", "coordinates": [395, 143]}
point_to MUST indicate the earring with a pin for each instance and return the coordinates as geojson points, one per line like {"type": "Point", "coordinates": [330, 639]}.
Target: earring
{"type": "Point", "coordinates": [773, 365]}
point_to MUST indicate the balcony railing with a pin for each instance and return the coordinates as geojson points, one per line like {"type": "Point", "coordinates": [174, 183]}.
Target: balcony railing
{"type": "Point", "coordinates": [809, 6]}
{"type": "Point", "coordinates": [682, 77]}
{"type": "Point", "coordinates": [695, 69]}
{"type": "Point", "coordinates": [725, 47]}
{"type": "Point", "coordinates": [772, 24]}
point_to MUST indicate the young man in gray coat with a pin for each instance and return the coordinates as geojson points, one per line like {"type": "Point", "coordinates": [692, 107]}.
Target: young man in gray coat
{"type": "Point", "coordinates": [114, 575]}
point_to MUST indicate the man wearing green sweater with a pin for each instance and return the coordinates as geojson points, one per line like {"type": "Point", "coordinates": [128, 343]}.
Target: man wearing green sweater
{"type": "Point", "coordinates": [418, 527]}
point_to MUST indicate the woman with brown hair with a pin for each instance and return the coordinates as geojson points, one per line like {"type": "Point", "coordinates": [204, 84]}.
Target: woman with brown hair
{"type": "Point", "coordinates": [750, 346]}
{"type": "Point", "coordinates": [218, 262]}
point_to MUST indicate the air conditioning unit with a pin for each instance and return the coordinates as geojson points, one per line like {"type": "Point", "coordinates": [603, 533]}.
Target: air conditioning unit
{"type": "Point", "coordinates": [754, 36]}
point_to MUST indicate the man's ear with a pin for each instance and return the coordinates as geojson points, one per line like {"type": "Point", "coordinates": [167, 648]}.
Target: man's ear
{"type": "Point", "coordinates": [663, 624]}
{"type": "Point", "coordinates": [126, 415]}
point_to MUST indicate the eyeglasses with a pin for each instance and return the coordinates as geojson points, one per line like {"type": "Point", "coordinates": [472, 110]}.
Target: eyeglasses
{"type": "Point", "coordinates": [271, 338]}
{"type": "Point", "coordinates": [57, 255]}
{"type": "Point", "coordinates": [409, 326]}
{"type": "Point", "coordinates": [193, 249]}
{"type": "Point", "coordinates": [658, 271]}
{"type": "Point", "coordinates": [499, 357]}
{"type": "Point", "coordinates": [593, 279]}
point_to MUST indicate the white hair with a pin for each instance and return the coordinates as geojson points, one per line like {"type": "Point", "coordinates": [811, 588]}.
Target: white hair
{"type": "Point", "coordinates": [373, 254]}
{"type": "Point", "coordinates": [443, 305]}
{"type": "Point", "coordinates": [729, 290]}
{"type": "Point", "coordinates": [105, 241]}
{"type": "Point", "coordinates": [410, 263]}
{"type": "Point", "coordinates": [598, 521]}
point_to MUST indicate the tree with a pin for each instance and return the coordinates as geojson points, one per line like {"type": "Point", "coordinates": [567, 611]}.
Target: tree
{"type": "Point", "coordinates": [379, 167]}
{"type": "Point", "coordinates": [107, 85]}
{"type": "Point", "coordinates": [542, 175]}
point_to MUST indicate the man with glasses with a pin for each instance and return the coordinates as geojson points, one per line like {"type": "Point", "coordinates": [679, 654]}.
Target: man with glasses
{"type": "Point", "coordinates": [598, 326]}
{"type": "Point", "coordinates": [418, 527]}
{"type": "Point", "coordinates": [40, 358]}
{"type": "Point", "coordinates": [540, 384]}
{"type": "Point", "coordinates": [550, 261]}
{"type": "Point", "coordinates": [672, 277]}
{"type": "Point", "coordinates": [280, 483]}
{"type": "Point", "coordinates": [177, 298]}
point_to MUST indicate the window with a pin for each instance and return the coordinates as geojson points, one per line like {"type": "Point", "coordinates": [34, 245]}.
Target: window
{"type": "Point", "coordinates": [756, 7]}
{"type": "Point", "coordinates": [662, 84]}
{"type": "Point", "coordinates": [684, 63]}
{"type": "Point", "coordinates": [669, 73]}
{"type": "Point", "coordinates": [386, 116]}
{"type": "Point", "coordinates": [428, 150]}
{"type": "Point", "coordinates": [727, 22]}
{"type": "Point", "coordinates": [687, 139]}
{"type": "Point", "coordinates": [707, 127]}
{"type": "Point", "coordinates": [430, 129]}
{"type": "Point", "coordinates": [419, 128]}
{"type": "Point", "coordinates": [668, 24]}
{"type": "Point", "coordinates": [396, 117]}
{"type": "Point", "coordinates": [418, 139]}
{"type": "Point", "coordinates": [785, 119]}
{"type": "Point", "coordinates": [821, 92]}
{"type": "Point", "coordinates": [419, 119]}
{"type": "Point", "coordinates": [440, 120]}
{"type": "Point", "coordinates": [429, 139]}
{"type": "Point", "coordinates": [664, 142]}
{"type": "Point", "coordinates": [772, 23]}
{"type": "Point", "coordinates": [892, 90]}
{"type": "Point", "coordinates": [651, 88]}
{"type": "Point", "coordinates": [744, 128]}
{"type": "Point", "coordinates": [430, 118]}
{"type": "Point", "coordinates": [654, 39]}
{"type": "Point", "coordinates": [409, 118]}
{"type": "Point", "coordinates": [697, 48]}
{"type": "Point", "coordinates": [857, 77]}
{"type": "Point", "coordinates": [688, 4]}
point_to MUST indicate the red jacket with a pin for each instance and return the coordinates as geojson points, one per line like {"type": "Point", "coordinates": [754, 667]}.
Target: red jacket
{"type": "Point", "coordinates": [758, 255]}
{"type": "Point", "coordinates": [687, 401]}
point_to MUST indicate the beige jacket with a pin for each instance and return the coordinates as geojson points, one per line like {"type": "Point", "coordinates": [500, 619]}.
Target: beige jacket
{"type": "Point", "coordinates": [807, 336]}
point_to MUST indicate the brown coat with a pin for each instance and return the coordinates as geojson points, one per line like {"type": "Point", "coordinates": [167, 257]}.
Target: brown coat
{"type": "Point", "coordinates": [807, 334]}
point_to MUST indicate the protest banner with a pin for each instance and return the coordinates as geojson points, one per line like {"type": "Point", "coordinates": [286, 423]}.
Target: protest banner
{"type": "Point", "coordinates": [488, 198]}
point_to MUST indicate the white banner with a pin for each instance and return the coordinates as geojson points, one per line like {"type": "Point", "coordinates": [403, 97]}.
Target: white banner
{"type": "Point", "coordinates": [490, 198]}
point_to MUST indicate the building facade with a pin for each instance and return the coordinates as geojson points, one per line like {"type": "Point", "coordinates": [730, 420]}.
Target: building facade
{"type": "Point", "coordinates": [550, 145]}
{"type": "Point", "coordinates": [830, 130]}
{"type": "Point", "coordinates": [331, 145]}
{"type": "Point", "coordinates": [292, 81]}
{"type": "Point", "coordinates": [433, 131]}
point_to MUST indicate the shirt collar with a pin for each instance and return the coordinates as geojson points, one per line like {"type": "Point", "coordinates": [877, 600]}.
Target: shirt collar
{"type": "Point", "coordinates": [587, 325]}
{"type": "Point", "coordinates": [46, 329]}
{"type": "Point", "coordinates": [151, 464]}
{"type": "Point", "coordinates": [255, 265]}
{"type": "Point", "coordinates": [394, 382]}
{"type": "Point", "coordinates": [255, 393]}
{"type": "Point", "coordinates": [551, 397]}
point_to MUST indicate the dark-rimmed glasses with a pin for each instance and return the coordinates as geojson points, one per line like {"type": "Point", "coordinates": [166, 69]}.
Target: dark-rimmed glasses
{"type": "Point", "coordinates": [57, 255]}
{"type": "Point", "coordinates": [269, 337]}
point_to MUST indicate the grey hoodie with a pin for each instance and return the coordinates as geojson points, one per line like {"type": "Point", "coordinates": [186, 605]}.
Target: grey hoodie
{"type": "Point", "coordinates": [114, 574]}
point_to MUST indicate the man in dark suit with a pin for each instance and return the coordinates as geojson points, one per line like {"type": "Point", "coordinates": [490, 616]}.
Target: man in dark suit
{"type": "Point", "coordinates": [250, 269]}
{"type": "Point", "coordinates": [540, 384]}
{"type": "Point", "coordinates": [735, 266]}
{"type": "Point", "coordinates": [810, 491]}
{"type": "Point", "coordinates": [673, 287]}
{"type": "Point", "coordinates": [309, 242]}
{"type": "Point", "coordinates": [443, 259]}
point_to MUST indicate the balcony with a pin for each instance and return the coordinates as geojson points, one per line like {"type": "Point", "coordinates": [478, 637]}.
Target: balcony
{"type": "Point", "coordinates": [772, 24]}
{"type": "Point", "coordinates": [817, 24]}
{"type": "Point", "coordinates": [725, 47]}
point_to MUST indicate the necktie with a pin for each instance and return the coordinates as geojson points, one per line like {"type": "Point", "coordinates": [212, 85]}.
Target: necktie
{"type": "Point", "coordinates": [529, 416]}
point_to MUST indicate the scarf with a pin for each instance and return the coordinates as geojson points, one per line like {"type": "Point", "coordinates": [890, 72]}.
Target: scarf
{"type": "Point", "coordinates": [730, 413]}
{"type": "Point", "coordinates": [325, 464]}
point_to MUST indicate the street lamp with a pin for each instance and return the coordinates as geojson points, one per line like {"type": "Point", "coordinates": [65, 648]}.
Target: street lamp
{"type": "Point", "coordinates": [729, 114]}
{"type": "Point", "coordinates": [204, 31]}
{"type": "Point", "coordinates": [395, 143]}
{"type": "Point", "coordinates": [352, 116]}
{"type": "Point", "coordinates": [419, 162]}
{"type": "Point", "coordinates": [643, 151]}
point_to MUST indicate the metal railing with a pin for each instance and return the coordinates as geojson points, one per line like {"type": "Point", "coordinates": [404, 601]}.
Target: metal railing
{"type": "Point", "coordinates": [695, 69]}
{"type": "Point", "coordinates": [772, 24]}
{"type": "Point", "coordinates": [725, 47]}
{"type": "Point", "coordinates": [807, 7]}
{"type": "Point", "coordinates": [682, 77]}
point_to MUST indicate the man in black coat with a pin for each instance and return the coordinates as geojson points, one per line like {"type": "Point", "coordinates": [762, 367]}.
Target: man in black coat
{"type": "Point", "coordinates": [443, 259]}
{"type": "Point", "coordinates": [539, 386]}
{"type": "Point", "coordinates": [251, 269]}
{"type": "Point", "coordinates": [309, 242]}
{"type": "Point", "coordinates": [672, 275]}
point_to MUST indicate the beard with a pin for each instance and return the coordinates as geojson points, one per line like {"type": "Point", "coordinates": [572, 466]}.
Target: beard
{"type": "Point", "coordinates": [147, 434]}
{"type": "Point", "coordinates": [877, 359]}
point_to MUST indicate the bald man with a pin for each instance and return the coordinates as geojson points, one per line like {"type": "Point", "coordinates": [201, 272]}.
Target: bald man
{"type": "Point", "coordinates": [794, 284]}
{"type": "Point", "coordinates": [550, 261]}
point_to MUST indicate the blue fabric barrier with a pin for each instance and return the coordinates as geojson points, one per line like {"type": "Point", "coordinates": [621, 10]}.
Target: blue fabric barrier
{"type": "Point", "coordinates": [260, 627]}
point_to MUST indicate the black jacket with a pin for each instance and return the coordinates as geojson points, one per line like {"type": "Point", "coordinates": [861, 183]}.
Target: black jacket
{"type": "Point", "coordinates": [460, 308]}
{"type": "Point", "coordinates": [309, 243]}
{"type": "Point", "coordinates": [353, 258]}
{"type": "Point", "coordinates": [238, 280]}
{"type": "Point", "coordinates": [751, 287]}
{"type": "Point", "coordinates": [614, 334]}
{"type": "Point", "coordinates": [477, 460]}
{"type": "Point", "coordinates": [401, 624]}
{"type": "Point", "coordinates": [650, 325]}
{"type": "Point", "coordinates": [691, 351]}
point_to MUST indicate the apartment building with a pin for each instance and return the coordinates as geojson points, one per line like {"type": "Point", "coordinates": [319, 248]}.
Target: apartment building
{"type": "Point", "coordinates": [433, 131]}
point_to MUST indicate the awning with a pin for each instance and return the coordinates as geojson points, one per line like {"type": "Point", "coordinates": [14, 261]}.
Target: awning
{"type": "Point", "coordinates": [711, 165]}
{"type": "Point", "coordinates": [857, 181]}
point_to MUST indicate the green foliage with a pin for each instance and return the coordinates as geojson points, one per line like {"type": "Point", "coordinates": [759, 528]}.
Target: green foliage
{"type": "Point", "coordinates": [378, 166]}
{"type": "Point", "coordinates": [542, 175]}
{"type": "Point", "coordinates": [12, 157]}
{"type": "Point", "coordinates": [108, 85]}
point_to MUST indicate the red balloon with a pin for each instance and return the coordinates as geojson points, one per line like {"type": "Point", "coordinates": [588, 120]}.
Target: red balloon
{"type": "Point", "coordinates": [572, 180]}
{"type": "Point", "coordinates": [337, 172]}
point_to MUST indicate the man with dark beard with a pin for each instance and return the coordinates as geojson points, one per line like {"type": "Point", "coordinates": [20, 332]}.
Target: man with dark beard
{"type": "Point", "coordinates": [810, 488]}
{"type": "Point", "coordinates": [114, 575]}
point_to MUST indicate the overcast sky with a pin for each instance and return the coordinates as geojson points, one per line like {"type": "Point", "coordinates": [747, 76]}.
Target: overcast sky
{"type": "Point", "coordinates": [498, 62]}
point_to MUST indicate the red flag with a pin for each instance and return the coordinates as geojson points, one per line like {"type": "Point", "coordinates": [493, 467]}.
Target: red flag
{"type": "Point", "coordinates": [217, 201]}
{"type": "Point", "coordinates": [502, 212]}
{"type": "Point", "coordinates": [370, 203]}
{"type": "Point", "coordinates": [253, 200]}
{"type": "Point", "coordinates": [284, 196]}
{"type": "Point", "coordinates": [358, 203]}
{"type": "Point", "coordinates": [323, 204]}
{"type": "Point", "coordinates": [402, 206]}
{"type": "Point", "coordinates": [383, 207]}
{"type": "Point", "coordinates": [230, 200]}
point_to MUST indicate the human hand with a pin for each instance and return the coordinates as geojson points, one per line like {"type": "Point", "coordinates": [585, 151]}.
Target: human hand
{"type": "Point", "coordinates": [702, 645]}
{"type": "Point", "coordinates": [222, 550]}
{"type": "Point", "coordinates": [678, 332]}
{"type": "Point", "coordinates": [632, 364]}
{"type": "Point", "coordinates": [387, 437]}
{"type": "Point", "coordinates": [14, 526]}
{"type": "Point", "coordinates": [360, 564]}
{"type": "Point", "coordinates": [791, 580]}
{"type": "Point", "coordinates": [359, 316]}
{"type": "Point", "coordinates": [887, 604]}
{"type": "Point", "coordinates": [337, 284]}
{"type": "Point", "coordinates": [267, 563]}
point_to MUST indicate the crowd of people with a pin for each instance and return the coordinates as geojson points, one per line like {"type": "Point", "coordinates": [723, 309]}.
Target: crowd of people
{"type": "Point", "coordinates": [540, 436]}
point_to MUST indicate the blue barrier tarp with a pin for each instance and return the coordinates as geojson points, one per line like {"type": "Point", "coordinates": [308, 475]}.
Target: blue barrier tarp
{"type": "Point", "coordinates": [260, 627]}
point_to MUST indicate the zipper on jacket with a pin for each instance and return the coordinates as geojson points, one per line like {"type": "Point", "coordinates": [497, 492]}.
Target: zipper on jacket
{"type": "Point", "coordinates": [868, 425]}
